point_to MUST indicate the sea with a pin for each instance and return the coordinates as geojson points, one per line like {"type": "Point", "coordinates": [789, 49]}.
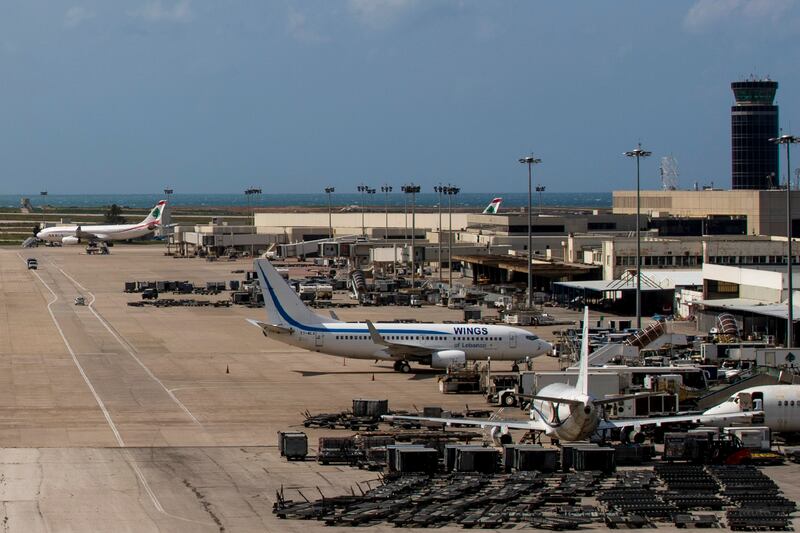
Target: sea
{"type": "Point", "coordinates": [472, 200]}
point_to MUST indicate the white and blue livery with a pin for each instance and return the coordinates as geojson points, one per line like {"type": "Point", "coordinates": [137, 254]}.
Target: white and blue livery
{"type": "Point", "coordinates": [435, 345]}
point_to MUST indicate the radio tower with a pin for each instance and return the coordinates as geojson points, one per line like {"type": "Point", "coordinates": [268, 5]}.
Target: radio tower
{"type": "Point", "coordinates": [669, 173]}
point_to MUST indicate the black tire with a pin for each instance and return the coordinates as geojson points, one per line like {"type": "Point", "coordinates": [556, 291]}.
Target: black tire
{"type": "Point", "coordinates": [515, 367]}
{"type": "Point", "coordinates": [404, 367]}
{"type": "Point", "coordinates": [509, 400]}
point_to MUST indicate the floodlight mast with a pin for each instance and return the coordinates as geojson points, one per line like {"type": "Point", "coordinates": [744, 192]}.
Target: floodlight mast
{"type": "Point", "coordinates": [638, 153]}
{"type": "Point", "coordinates": [530, 161]}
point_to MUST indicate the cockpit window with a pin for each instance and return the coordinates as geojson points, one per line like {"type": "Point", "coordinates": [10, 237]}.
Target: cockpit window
{"type": "Point", "coordinates": [531, 337]}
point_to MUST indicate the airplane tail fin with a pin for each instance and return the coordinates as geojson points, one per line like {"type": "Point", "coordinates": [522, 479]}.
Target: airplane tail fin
{"type": "Point", "coordinates": [156, 214]}
{"type": "Point", "coordinates": [493, 207]}
{"type": "Point", "coordinates": [283, 306]}
{"type": "Point", "coordinates": [583, 365]}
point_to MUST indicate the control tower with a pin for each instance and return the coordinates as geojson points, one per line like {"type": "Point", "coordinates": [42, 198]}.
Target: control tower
{"type": "Point", "coordinates": [754, 120]}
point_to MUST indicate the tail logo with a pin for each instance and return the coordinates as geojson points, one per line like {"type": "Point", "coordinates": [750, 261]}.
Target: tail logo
{"type": "Point", "coordinates": [156, 212]}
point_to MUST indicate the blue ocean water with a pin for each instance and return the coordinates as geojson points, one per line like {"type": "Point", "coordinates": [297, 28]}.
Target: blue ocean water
{"type": "Point", "coordinates": [511, 200]}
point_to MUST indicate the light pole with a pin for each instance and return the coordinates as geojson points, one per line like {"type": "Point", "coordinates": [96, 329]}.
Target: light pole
{"type": "Point", "coordinates": [788, 140]}
{"type": "Point", "coordinates": [363, 190]}
{"type": "Point", "coordinates": [329, 191]}
{"type": "Point", "coordinates": [368, 191]}
{"type": "Point", "coordinates": [440, 189]}
{"type": "Point", "coordinates": [249, 192]}
{"type": "Point", "coordinates": [167, 236]}
{"type": "Point", "coordinates": [412, 190]}
{"type": "Point", "coordinates": [540, 190]}
{"type": "Point", "coordinates": [386, 189]}
{"type": "Point", "coordinates": [450, 191]}
{"type": "Point", "coordinates": [638, 153]}
{"type": "Point", "coordinates": [530, 161]}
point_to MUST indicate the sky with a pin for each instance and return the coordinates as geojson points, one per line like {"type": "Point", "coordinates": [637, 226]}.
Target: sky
{"type": "Point", "coordinates": [213, 96]}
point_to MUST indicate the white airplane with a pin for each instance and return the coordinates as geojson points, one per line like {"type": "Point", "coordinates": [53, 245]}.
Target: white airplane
{"type": "Point", "coordinates": [493, 207]}
{"type": "Point", "coordinates": [109, 232]}
{"type": "Point", "coordinates": [571, 414]}
{"type": "Point", "coordinates": [779, 403]}
{"type": "Point", "coordinates": [437, 345]}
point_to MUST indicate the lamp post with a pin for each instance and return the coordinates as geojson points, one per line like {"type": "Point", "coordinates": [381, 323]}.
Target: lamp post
{"type": "Point", "coordinates": [440, 189]}
{"type": "Point", "coordinates": [249, 192]}
{"type": "Point", "coordinates": [788, 140]}
{"type": "Point", "coordinates": [167, 236]}
{"type": "Point", "coordinates": [540, 190]}
{"type": "Point", "coordinates": [638, 153]}
{"type": "Point", "coordinates": [386, 189]}
{"type": "Point", "coordinates": [412, 190]}
{"type": "Point", "coordinates": [363, 190]}
{"type": "Point", "coordinates": [329, 191]}
{"type": "Point", "coordinates": [368, 191]}
{"type": "Point", "coordinates": [530, 161]}
{"type": "Point", "coordinates": [450, 191]}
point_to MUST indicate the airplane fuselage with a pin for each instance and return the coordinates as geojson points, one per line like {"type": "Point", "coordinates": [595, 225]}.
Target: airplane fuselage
{"type": "Point", "coordinates": [566, 421]}
{"type": "Point", "coordinates": [780, 404]}
{"type": "Point", "coordinates": [115, 232]}
{"type": "Point", "coordinates": [352, 339]}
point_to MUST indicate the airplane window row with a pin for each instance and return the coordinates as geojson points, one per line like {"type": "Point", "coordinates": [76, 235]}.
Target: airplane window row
{"type": "Point", "coordinates": [414, 338]}
{"type": "Point", "coordinates": [786, 403]}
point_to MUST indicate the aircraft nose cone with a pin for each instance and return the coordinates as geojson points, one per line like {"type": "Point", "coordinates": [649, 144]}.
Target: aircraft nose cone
{"type": "Point", "coordinates": [40, 235]}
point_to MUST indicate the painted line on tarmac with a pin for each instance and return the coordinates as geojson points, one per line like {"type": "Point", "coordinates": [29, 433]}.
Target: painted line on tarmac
{"type": "Point", "coordinates": [127, 346]}
{"type": "Point", "coordinates": [97, 398]}
{"type": "Point", "coordinates": [129, 458]}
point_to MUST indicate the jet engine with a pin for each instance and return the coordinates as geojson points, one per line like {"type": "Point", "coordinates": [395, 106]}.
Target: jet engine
{"type": "Point", "coordinates": [70, 240]}
{"type": "Point", "coordinates": [448, 358]}
{"type": "Point", "coordinates": [500, 437]}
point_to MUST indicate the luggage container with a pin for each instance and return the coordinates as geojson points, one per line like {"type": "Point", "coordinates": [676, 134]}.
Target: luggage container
{"type": "Point", "coordinates": [376, 408]}
{"type": "Point", "coordinates": [753, 438]}
{"type": "Point", "coordinates": [234, 284]}
{"type": "Point", "coordinates": [391, 454]}
{"type": "Point", "coordinates": [568, 453]}
{"type": "Point", "coordinates": [476, 459]}
{"type": "Point", "coordinates": [423, 460]}
{"type": "Point", "coordinates": [130, 286]}
{"type": "Point", "coordinates": [594, 459]}
{"type": "Point", "coordinates": [527, 458]}
{"type": "Point", "coordinates": [293, 445]}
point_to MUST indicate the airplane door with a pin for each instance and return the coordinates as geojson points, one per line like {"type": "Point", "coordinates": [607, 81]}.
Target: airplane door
{"type": "Point", "coordinates": [512, 341]}
{"type": "Point", "coordinates": [318, 340]}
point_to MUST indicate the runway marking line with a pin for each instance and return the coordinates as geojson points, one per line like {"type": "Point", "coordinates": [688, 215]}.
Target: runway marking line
{"type": "Point", "coordinates": [88, 382]}
{"type": "Point", "coordinates": [129, 458]}
{"type": "Point", "coordinates": [127, 346]}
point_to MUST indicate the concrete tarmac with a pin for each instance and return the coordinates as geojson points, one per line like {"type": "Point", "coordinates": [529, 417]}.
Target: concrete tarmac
{"type": "Point", "coordinates": [118, 418]}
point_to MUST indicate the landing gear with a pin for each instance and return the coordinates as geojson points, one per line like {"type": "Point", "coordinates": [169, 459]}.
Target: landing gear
{"type": "Point", "coordinates": [402, 366]}
{"type": "Point", "coordinates": [515, 367]}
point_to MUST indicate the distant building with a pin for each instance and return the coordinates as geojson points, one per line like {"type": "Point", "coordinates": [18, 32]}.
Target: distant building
{"type": "Point", "coordinates": [719, 212]}
{"type": "Point", "coordinates": [754, 120]}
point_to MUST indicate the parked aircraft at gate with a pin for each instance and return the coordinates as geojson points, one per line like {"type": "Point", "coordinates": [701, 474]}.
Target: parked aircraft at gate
{"type": "Point", "coordinates": [571, 414]}
{"type": "Point", "coordinates": [436, 345]}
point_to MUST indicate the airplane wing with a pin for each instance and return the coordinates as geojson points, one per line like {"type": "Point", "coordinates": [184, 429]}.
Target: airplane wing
{"type": "Point", "coordinates": [396, 349]}
{"type": "Point", "coordinates": [530, 425]}
{"type": "Point", "coordinates": [79, 233]}
{"type": "Point", "coordinates": [697, 418]}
